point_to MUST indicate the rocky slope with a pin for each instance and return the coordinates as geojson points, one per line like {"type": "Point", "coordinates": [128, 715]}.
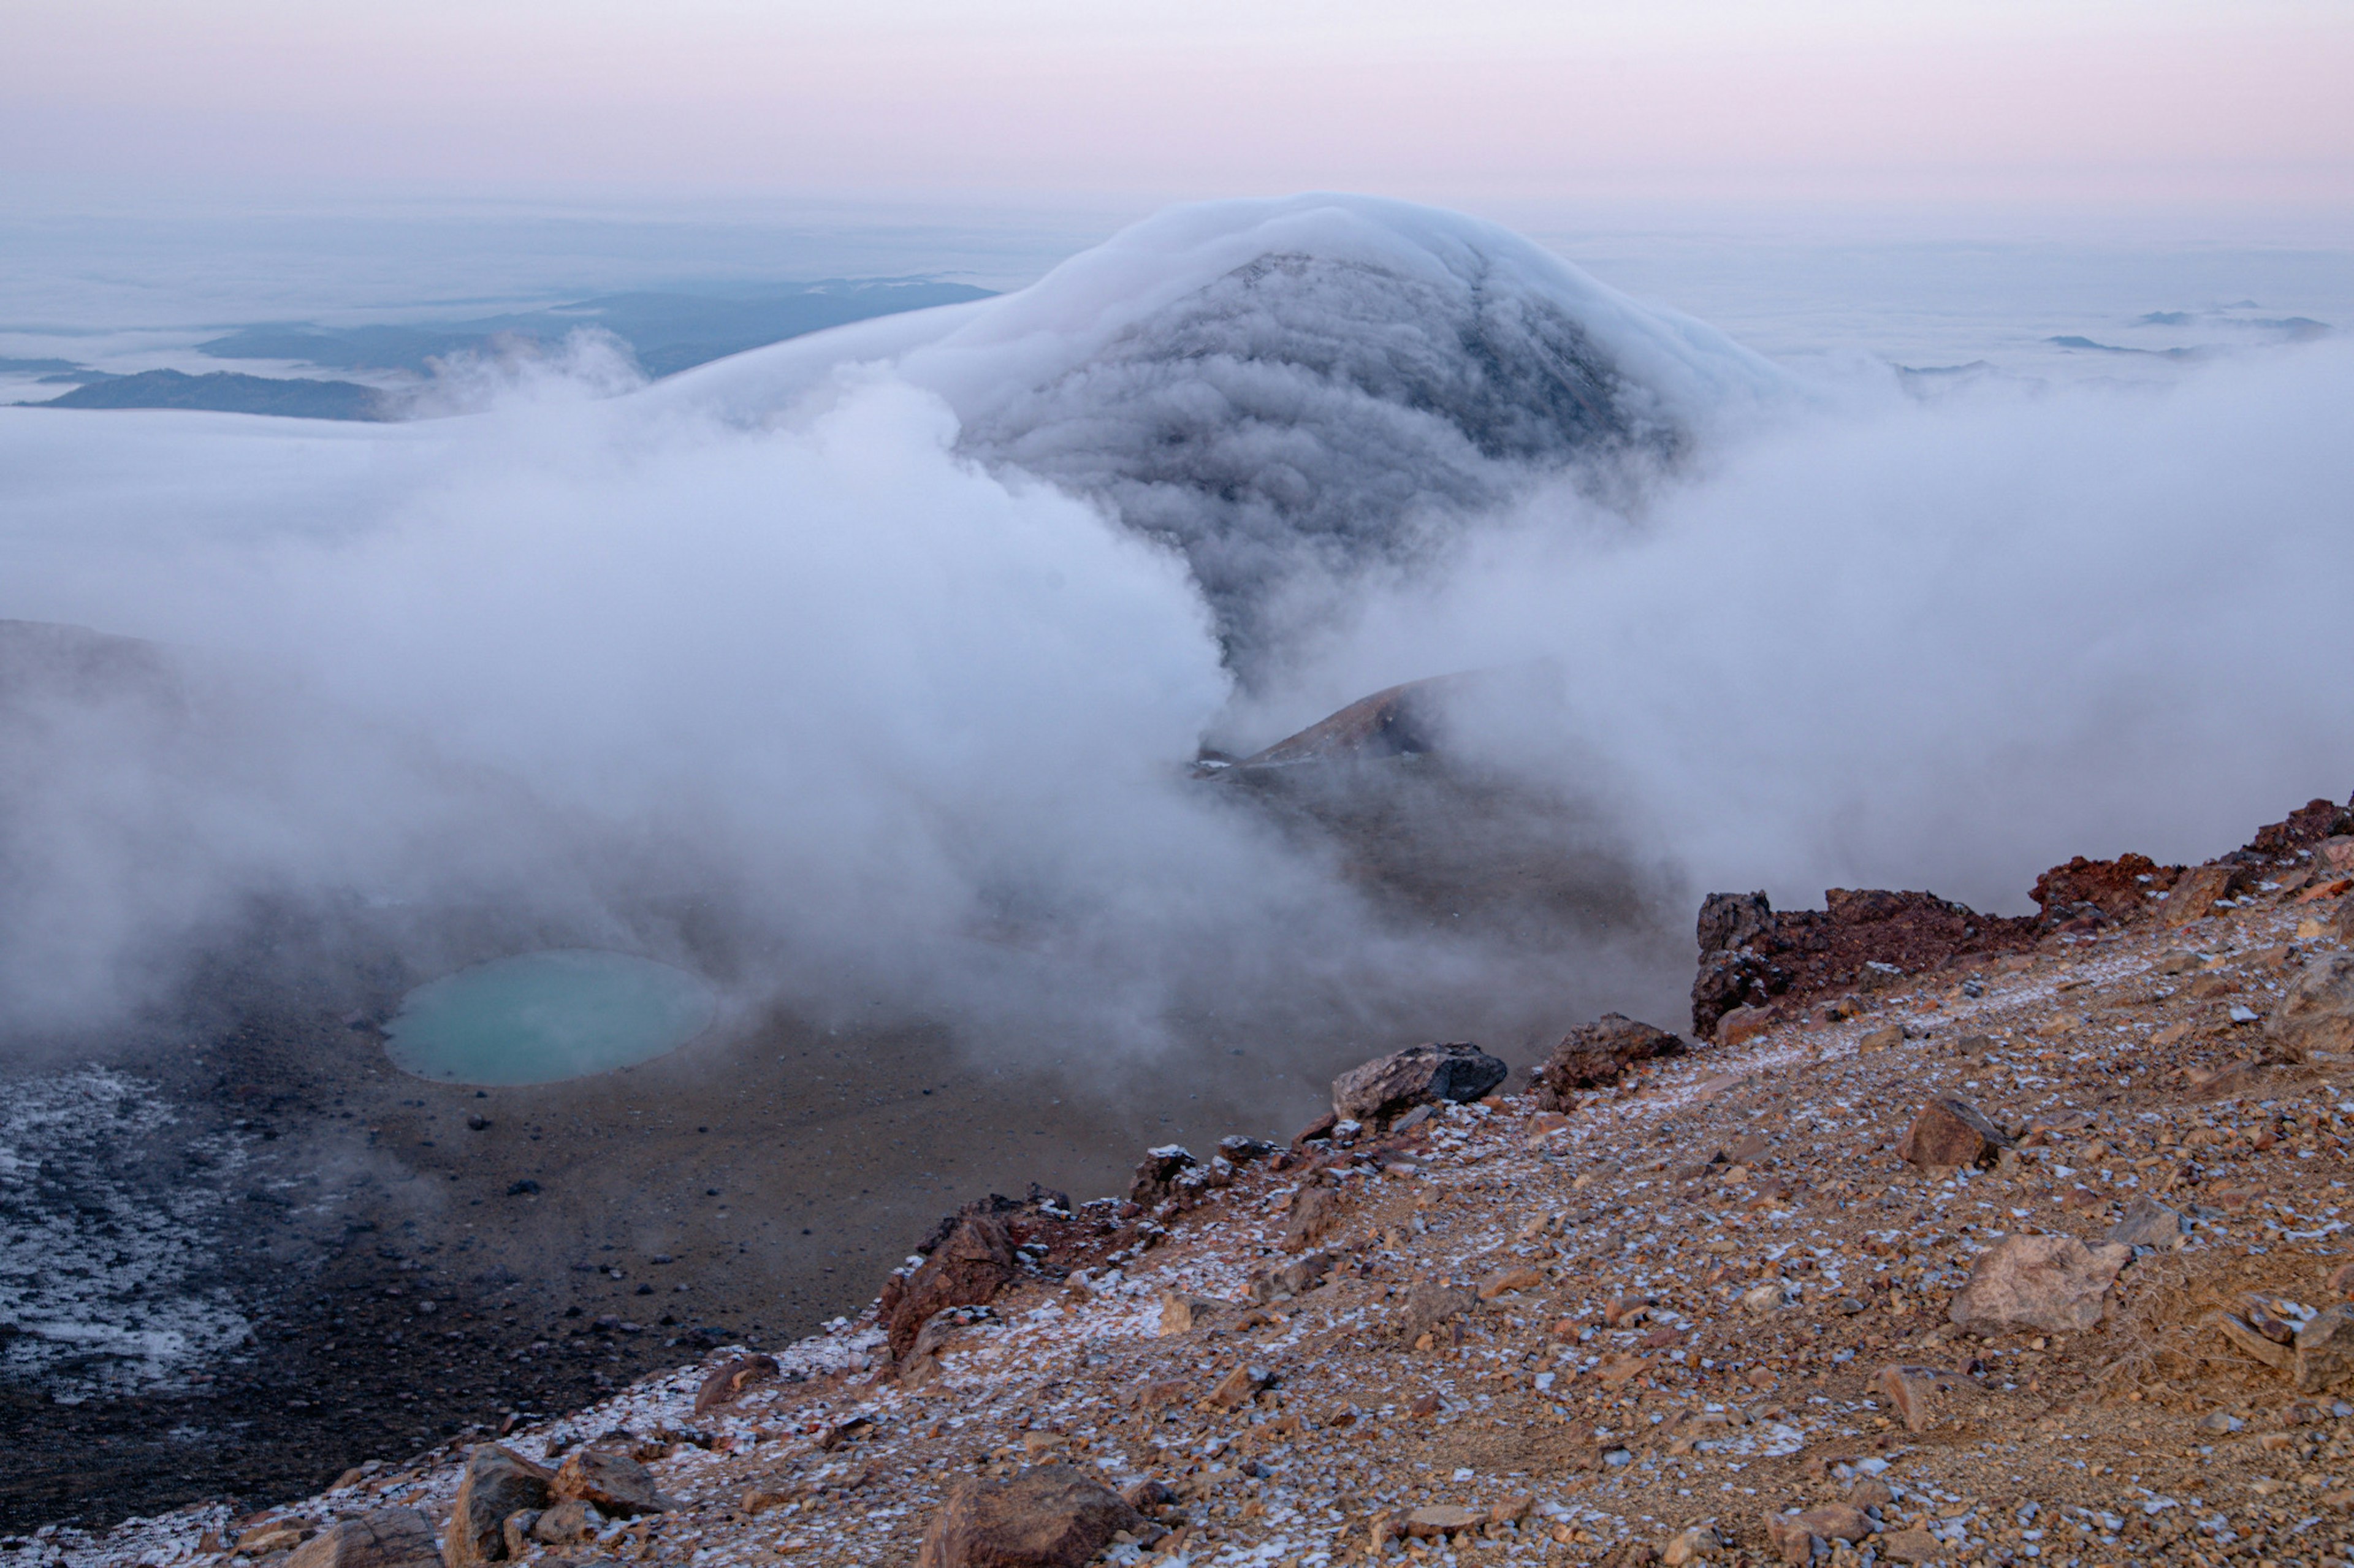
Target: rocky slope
{"type": "Point", "coordinates": [2031, 1254]}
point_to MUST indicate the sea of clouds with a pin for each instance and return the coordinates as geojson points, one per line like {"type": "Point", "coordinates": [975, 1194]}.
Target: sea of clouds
{"type": "Point", "coordinates": [864, 671]}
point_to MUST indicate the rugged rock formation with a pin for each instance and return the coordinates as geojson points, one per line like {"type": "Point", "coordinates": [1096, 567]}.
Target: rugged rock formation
{"type": "Point", "coordinates": [1596, 1054]}
{"type": "Point", "coordinates": [1861, 939]}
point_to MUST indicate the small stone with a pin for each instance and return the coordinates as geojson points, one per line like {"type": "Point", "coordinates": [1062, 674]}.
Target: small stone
{"type": "Point", "coordinates": [2056, 1284]}
{"type": "Point", "coordinates": [515, 1531]}
{"type": "Point", "coordinates": [2148, 1223]}
{"type": "Point", "coordinates": [270, 1535]}
{"type": "Point", "coordinates": [1886, 1038]}
{"type": "Point", "coordinates": [1694, 1545]}
{"type": "Point", "coordinates": [1182, 1314]}
{"type": "Point", "coordinates": [1870, 1493]}
{"type": "Point", "coordinates": [732, 1380]}
{"type": "Point", "coordinates": [615, 1483]}
{"type": "Point", "coordinates": [1430, 1306]}
{"type": "Point", "coordinates": [1914, 1394]}
{"type": "Point", "coordinates": [1837, 1522]}
{"type": "Point", "coordinates": [1770, 1296]}
{"type": "Point", "coordinates": [385, 1538]}
{"type": "Point", "coordinates": [760, 1500]}
{"type": "Point", "coordinates": [566, 1522]}
{"type": "Point", "coordinates": [1238, 1387]}
{"type": "Point", "coordinates": [1950, 1131]}
{"type": "Point", "coordinates": [1444, 1519]}
{"type": "Point", "coordinates": [1917, 1546]}
{"type": "Point", "coordinates": [1425, 1406]}
{"type": "Point", "coordinates": [1051, 1516]}
{"type": "Point", "coordinates": [1503, 1282]}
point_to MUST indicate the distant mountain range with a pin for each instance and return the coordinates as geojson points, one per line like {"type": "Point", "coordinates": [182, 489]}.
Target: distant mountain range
{"type": "Point", "coordinates": [667, 333]}
{"type": "Point", "coordinates": [226, 392]}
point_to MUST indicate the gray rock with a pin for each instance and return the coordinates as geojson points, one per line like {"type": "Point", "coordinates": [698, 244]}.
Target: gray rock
{"type": "Point", "coordinates": [1386, 1087]}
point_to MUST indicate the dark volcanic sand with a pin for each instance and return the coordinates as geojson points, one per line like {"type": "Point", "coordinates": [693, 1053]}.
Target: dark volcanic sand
{"type": "Point", "coordinates": [782, 1172]}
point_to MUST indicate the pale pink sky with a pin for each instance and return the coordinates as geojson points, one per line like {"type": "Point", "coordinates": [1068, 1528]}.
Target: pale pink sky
{"type": "Point", "coordinates": [2136, 100]}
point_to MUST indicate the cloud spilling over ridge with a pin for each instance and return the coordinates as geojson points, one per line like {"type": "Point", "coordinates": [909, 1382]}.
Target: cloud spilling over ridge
{"type": "Point", "coordinates": [1307, 394]}
{"type": "Point", "coordinates": [863, 670]}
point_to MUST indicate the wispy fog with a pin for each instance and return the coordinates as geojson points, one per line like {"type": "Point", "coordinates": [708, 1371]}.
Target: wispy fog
{"type": "Point", "coordinates": [864, 670]}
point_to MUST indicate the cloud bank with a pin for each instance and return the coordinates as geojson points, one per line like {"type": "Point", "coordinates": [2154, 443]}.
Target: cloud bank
{"type": "Point", "coordinates": [862, 671]}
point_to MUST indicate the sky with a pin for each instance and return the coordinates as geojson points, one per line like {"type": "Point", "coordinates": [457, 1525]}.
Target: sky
{"type": "Point", "coordinates": [2107, 102]}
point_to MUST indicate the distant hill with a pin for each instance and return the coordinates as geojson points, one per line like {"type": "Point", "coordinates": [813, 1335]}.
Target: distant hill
{"type": "Point", "coordinates": [229, 393]}
{"type": "Point", "coordinates": [667, 332]}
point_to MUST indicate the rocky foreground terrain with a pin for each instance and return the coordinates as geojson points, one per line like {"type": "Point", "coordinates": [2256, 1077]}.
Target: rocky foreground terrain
{"type": "Point", "coordinates": [2023, 1241]}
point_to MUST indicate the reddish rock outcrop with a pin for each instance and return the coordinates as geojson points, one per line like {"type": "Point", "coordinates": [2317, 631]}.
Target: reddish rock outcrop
{"type": "Point", "coordinates": [2101, 892]}
{"type": "Point", "coordinates": [1860, 938]}
{"type": "Point", "coordinates": [2302, 829]}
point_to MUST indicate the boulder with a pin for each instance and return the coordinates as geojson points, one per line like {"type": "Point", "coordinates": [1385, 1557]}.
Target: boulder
{"type": "Point", "coordinates": [496, 1483]}
{"type": "Point", "coordinates": [2317, 1013]}
{"type": "Point", "coordinates": [1379, 1091]}
{"type": "Point", "coordinates": [1743, 1024]}
{"type": "Point", "coordinates": [2194, 896]}
{"type": "Point", "coordinates": [1596, 1054]}
{"type": "Point", "coordinates": [1950, 1131]}
{"type": "Point", "coordinates": [615, 1483]}
{"type": "Point", "coordinates": [968, 1270]}
{"type": "Point", "coordinates": [383, 1538]}
{"type": "Point", "coordinates": [731, 1380]}
{"type": "Point", "coordinates": [2052, 1284]}
{"type": "Point", "coordinates": [1051, 1517]}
